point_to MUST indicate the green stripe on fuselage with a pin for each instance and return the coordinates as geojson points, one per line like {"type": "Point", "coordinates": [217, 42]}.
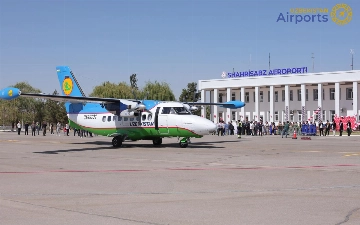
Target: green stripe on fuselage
{"type": "Point", "coordinates": [139, 133]}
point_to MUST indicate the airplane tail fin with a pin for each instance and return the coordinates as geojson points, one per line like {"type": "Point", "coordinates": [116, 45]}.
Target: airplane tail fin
{"type": "Point", "coordinates": [68, 83]}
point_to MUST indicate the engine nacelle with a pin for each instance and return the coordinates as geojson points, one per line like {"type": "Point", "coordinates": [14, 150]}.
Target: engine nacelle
{"type": "Point", "coordinates": [127, 113]}
{"type": "Point", "coordinates": [193, 108]}
{"type": "Point", "coordinates": [9, 93]}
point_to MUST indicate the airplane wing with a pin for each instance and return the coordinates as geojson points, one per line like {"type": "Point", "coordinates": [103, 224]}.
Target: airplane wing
{"type": "Point", "coordinates": [70, 98]}
{"type": "Point", "coordinates": [230, 104]}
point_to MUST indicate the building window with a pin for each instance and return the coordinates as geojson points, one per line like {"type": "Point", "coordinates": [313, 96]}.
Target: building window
{"type": "Point", "coordinates": [323, 115]}
{"type": "Point", "coordinates": [307, 95]}
{"type": "Point", "coordinates": [233, 97]}
{"type": "Point", "coordinates": [332, 93]}
{"type": "Point", "coordinates": [299, 116]}
{"type": "Point", "coordinates": [349, 94]}
{"type": "Point", "coordinates": [268, 96]}
{"type": "Point", "coordinates": [332, 114]}
{"type": "Point", "coordinates": [299, 94]}
{"type": "Point", "coordinates": [254, 96]}
{"type": "Point", "coordinates": [323, 93]}
{"type": "Point", "coordinates": [247, 97]}
{"type": "Point", "coordinates": [220, 97]}
{"type": "Point", "coordinates": [233, 115]}
{"type": "Point", "coordinates": [276, 115]}
{"type": "Point", "coordinates": [276, 96]}
{"type": "Point", "coordinates": [261, 96]}
{"type": "Point", "coordinates": [240, 95]}
{"type": "Point", "coordinates": [315, 93]}
{"type": "Point", "coordinates": [283, 95]}
{"type": "Point", "coordinates": [291, 95]}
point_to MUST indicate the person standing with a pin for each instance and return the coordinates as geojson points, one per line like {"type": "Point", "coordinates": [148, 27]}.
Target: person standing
{"type": "Point", "coordinates": [26, 128]}
{"type": "Point", "coordinates": [327, 128]}
{"type": "Point", "coordinates": [33, 127]}
{"type": "Point", "coordinates": [321, 128]}
{"type": "Point", "coordinates": [18, 125]}
{"type": "Point", "coordinates": [341, 126]}
{"type": "Point", "coordinates": [58, 126]}
{"type": "Point", "coordinates": [333, 127]}
{"type": "Point", "coordinates": [239, 129]}
{"type": "Point", "coordinates": [348, 127]}
{"type": "Point", "coordinates": [44, 128]}
{"type": "Point", "coordinates": [67, 129]}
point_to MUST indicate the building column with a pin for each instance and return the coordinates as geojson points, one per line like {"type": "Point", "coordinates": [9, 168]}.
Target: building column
{"type": "Point", "coordinates": [272, 104]}
{"type": "Point", "coordinates": [320, 115]}
{"type": "Point", "coordinates": [287, 104]}
{"type": "Point", "coordinates": [337, 99]}
{"type": "Point", "coordinates": [216, 97]}
{"type": "Point", "coordinates": [242, 110]}
{"type": "Point", "coordinates": [257, 104]}
{"type": "Point", "coordinates": [203, 99]}
{"type": "Point", "coordinates": [355, 100]}
{"type": "Point", "coordinates": [228, 111]}
{"type": "Point", "coordinates": [303, 103]}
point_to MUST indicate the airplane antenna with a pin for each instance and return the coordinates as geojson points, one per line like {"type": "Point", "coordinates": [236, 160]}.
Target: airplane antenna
{"type": "Point", "coordinates": [312, 56]}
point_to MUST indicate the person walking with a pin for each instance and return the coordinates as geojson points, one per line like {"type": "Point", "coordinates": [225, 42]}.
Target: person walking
{"type": "Point", "coordinates": [285, 129]}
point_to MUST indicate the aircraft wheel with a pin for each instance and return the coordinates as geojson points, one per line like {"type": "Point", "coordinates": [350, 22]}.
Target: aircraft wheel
{"type": "Point", "coordinates": [183, 144]}
{"type": "Point", "coordinates": [116, 141]}
{"type": "Point", "coordinates": [157, 141]}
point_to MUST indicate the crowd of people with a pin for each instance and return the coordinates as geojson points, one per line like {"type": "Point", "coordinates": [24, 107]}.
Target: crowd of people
{"type": "Point", "coordinates": [59, 128]}
{"type": "Point", "coordinates": [258, 128]}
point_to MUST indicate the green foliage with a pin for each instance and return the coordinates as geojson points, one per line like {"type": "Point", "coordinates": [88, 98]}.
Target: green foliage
{"type": "Point", "coordinates": [28, 109]}
{"type": "Point", "coordinates": [151, 90]}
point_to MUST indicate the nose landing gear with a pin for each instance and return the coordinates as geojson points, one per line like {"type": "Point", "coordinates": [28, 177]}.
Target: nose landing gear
{"type": "Point", "coordinates": [184, 142]}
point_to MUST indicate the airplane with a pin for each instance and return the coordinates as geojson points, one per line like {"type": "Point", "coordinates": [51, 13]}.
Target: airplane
{"type": "Point", "coordinates": [124, 119]}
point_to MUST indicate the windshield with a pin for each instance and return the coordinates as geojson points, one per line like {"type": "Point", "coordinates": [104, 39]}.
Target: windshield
{"type": "Point", "coordinates": [175, 110]}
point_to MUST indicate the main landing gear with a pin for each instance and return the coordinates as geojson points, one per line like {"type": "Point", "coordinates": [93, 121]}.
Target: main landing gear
{"type": "Point", "coordinates": [117, 141]}
{"type": "Point", "coordinates": [184, 142]}
{"type": "Point", "coordinates": [157, 141]}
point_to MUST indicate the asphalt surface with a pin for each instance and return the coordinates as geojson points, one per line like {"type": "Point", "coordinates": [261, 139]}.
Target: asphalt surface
{"type": "Point", "coordinates": [216, 180]}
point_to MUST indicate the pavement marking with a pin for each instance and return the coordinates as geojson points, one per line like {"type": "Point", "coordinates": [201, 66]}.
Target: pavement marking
{"type": "Point", "coordinates": [180, 169]}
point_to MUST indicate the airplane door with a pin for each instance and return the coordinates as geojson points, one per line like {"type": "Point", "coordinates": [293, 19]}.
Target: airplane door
{"type": "Point", "coordinates": [161, 121]}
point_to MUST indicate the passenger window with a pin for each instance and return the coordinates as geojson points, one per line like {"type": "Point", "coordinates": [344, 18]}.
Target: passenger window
{"type": "Point", "coordinates": [132, 119]}
{"type": "Point", "coordinates": [143, 117]}
{"type": "Point", "coordinates": [114, 118]}
{"type": "Point", "coordinates": [119, 118]}
{"type": "Point", "coordinates": [149, 117]}
{"type": "Point", "coordinates": [104, 118]}
{"type": "Point", "coordinates": [126, 119]}
{"type": "Point", "coordinates": [109, 118]}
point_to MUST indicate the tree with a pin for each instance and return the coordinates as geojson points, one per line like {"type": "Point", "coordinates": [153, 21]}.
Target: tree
{"type": "Point", "coordinates": [55, 111]}
{"type": "Point", "coordinates": [158, 91]}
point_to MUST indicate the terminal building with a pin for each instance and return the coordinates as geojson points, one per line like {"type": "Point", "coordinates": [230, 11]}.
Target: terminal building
{"type": "Point", "coordinates": [283, 95]}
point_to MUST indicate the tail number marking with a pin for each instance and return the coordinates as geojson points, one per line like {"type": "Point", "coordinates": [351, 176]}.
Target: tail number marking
{"type": "Point", "coordinates": [90, 117]}
{"type": "Point", "coordinates": [146, 124]}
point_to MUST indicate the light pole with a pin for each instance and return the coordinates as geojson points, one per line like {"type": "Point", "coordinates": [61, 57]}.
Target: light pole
{"type": "Point", "coordinates": [312, 56]}
{"type": "Point", "coordinates": [352, 52]}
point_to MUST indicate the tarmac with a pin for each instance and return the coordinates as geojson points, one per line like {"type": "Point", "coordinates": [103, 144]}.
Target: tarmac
{"type": "Point", "coordinates": [216, 180]}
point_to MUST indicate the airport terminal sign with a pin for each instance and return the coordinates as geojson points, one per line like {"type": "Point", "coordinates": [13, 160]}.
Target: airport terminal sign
{"type": "Point", "coordinates": [256, 73]}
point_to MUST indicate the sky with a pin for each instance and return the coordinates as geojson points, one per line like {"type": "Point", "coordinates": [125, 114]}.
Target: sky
{"type": "Point", "coordinates": [172, 41]}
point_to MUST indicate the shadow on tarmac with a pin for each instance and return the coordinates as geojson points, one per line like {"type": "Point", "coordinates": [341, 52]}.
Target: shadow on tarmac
{"type": "Point", "coordinates": [105, 145]}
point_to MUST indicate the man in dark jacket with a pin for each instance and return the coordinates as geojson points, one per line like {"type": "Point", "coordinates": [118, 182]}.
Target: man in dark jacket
{"type": "Point", "coordinates": [341, 126]}
{"type": "Point", "coordinates": [348, 127]}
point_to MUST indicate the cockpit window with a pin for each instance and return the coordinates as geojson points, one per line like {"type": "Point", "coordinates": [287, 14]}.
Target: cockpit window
{"type": "Point", "coordinates": [181, 110]}
{"type": "Point", "coordinates": [175, 110]}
